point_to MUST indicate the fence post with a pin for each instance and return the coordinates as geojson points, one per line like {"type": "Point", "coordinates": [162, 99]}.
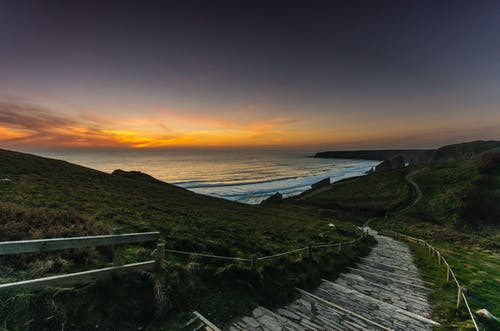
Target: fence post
{"type": "Point", "coordinates": [160, 255]}
{"type": "Point", "coordinates": [310, 251]}
{"type": "Point", "coordinates": [459, 296]}
{"type": "Point", "coordinates": [117, 251]}
{"type": "Point", "coordinates": [448, 272]}
{"type": "Point", "coordinates": [254, 262]}
{"type": "Point", "coordinates": [439, 257]}
{"type": "Point", "coordinates": [340, 247]}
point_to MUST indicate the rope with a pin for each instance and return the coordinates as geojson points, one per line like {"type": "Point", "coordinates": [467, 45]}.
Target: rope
{"type": "Point", "coordinates": [281, 254]}
{"type": "Point", "coordinates": [470, 312]}
{"type": "Point", "coordinates": [326, 245]}
{"type": "Point", "coordinates": [452, 273]}
{"type": "Point", "coordinates": [263, 257]}
{"type": "Point", "coordinates": [208, 255]}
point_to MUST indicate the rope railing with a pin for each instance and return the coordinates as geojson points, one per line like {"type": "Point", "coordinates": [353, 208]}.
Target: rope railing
{"type": "Point", "coordinates": [282, 254]}
{"type": "Point", "coordinates": [254, 259]}
{"type": "Point", "coordinates": [461, 297]}
{"type": "Point", "coordinates": [208, 255]}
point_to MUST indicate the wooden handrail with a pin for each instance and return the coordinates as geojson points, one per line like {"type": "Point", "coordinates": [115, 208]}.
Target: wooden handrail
{"type": "Point", "coordinates": [42, 245]}
{"type": "Point", "coordinates": [75, 278]}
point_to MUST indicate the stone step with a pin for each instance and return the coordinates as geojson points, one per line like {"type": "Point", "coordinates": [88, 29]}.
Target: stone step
{"type": "Point", "coordinates": [394, 275]}
{"type": "Point", "coordinates": [387, 306]}
{"type": "Point", "coordinates": [390, 268]}
{"type": "Point", "coordinates": [376, 311]}
{"type": "Point", "coordinates": [400, 297]}
{"type": "Point", "coordinates": [391, 262]}
{"type": "Point", "coordinates": [385, 291]}
{"type": "Point", "coordinates": [351, 320]}
{"type": "Point", "coordinates": [387, 280]}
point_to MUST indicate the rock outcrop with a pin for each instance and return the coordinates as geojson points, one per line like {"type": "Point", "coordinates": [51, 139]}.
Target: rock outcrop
{"type": "Point", "coordinates": [276, 197]}
{"type": "Point", "coordinates": [396, 162]}
{"type": "Point", "coordinates": [322, 183]}
{"type": "Point", "coordinates": [136, 175]}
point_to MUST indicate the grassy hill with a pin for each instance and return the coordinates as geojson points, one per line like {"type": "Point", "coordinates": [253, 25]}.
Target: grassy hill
{"type": "Point", "coordinates": [458, 213]}
{"type": "Point", "coordinates": [365, 196]}
{"type": "Point", "coordinates": [41, 197]}
{"type": "Point", "coordinates": [464, 151]}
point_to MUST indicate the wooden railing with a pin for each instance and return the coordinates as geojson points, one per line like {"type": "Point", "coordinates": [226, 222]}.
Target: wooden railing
{"type": "Point", "coordinates": [450, 274]}
{"type": "Point", "coordinates": [44, 245]}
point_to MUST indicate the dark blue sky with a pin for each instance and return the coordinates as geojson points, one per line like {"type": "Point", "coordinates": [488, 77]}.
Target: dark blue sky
{"type": "Point", "coordinates": [337, 73]}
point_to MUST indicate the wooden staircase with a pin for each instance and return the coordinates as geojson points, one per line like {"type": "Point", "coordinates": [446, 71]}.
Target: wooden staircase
{"type": "Point", "coordinates": [383, 292]}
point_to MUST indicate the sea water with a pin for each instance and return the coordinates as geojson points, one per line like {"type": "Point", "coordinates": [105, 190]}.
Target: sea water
{"type": "Point", "coordinates": [247, 176]}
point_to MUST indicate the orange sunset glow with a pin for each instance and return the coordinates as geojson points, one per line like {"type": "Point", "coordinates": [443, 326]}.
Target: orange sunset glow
{"type": "Point", "coordinates": [35, 127]}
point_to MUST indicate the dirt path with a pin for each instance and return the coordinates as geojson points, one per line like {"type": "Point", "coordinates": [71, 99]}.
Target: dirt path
{"type": "Point", "coordinates": [418, 191]}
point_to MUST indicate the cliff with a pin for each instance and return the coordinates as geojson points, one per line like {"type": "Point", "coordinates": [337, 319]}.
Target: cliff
{"type": "Point", "coordinates": [413, 156]}
{"type": "Point", "coordinates": [455, 152]}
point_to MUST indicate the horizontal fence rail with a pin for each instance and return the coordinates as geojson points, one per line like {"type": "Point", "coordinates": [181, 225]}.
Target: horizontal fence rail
{"type": "Point", "coordinates": [42, 245]}
{"type": "Point", "coordinates": [76, 278]}
{"type": "Point", "coordinates": [461, 297]}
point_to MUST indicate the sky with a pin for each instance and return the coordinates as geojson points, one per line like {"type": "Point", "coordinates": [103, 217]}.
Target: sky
{"type": "Point", "coordinates": [325, 74]}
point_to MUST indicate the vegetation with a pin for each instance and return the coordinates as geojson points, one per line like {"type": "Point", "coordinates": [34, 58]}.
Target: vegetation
{"type": "Point", "coordinates": [40, 197]}
{"type": "Point", "coordinates": [370, 195]}
{"type": "Point", "coordinates": [458, 214]}
{"type": "Point", "coordinates": [443, 298]}
{"type": "Point", "coordinates": [465, 151]}
{"type": "Point", "coordinates": [480, 206]}
{"type": "Point", "coordinates": [458, 198]}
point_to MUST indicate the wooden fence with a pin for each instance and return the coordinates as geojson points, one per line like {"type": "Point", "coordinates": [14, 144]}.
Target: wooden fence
{"type": "Point", "coordinates": [450, 274]}
{"type": "Point", "coordinates": [44, 245]}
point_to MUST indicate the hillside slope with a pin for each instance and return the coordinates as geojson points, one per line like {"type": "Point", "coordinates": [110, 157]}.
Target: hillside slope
{"type": "Point", "coordinates": [42, 197]}
{"type": "Point", "coordinates": [139, 202]}
{"type": "Point", "coordinates": [458, 213]}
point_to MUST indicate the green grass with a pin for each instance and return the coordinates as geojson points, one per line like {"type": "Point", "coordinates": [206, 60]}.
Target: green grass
{"type": "Point", "coordinates": [444, 186]}
{"type": "Point", "coordinates": [374, 193]}
{"type": "Point", "coordinates": [49, 198]}
{"type": "Point", "coordinates": [471, 246]}
{"type": "Point", "coordinates": [185, 219]}
{"type": "Point", "coordinates": [474, 252]}
{"type": "Point", "coordinates": [443, 298]}
{"type": "Point", "coordinates": [476, 265]}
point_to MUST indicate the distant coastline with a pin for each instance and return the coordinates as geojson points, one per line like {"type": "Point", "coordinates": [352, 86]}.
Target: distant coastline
{"type": "Point", "coordinates": [410, 155]}
{"type": "Point", "coordinates": [455, 152]}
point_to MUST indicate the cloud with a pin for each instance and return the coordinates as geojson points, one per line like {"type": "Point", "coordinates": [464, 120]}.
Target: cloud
{"type": "Point", "coordinates": [27, 117]}
{"type": "Point", "coordinates": [27, 125]}
{"type": "Point", "coordinates": [24, 125]}
{"type": "Point", "coordinates": [246, 118]}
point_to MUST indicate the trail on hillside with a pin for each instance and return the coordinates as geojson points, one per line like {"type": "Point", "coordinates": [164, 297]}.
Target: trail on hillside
{"type": "Point", "coordinates": [384, 291]}
{"type": "Point", "coordinates": [418, 195]}
{"type": "Point", "coordinates": [417, 189]}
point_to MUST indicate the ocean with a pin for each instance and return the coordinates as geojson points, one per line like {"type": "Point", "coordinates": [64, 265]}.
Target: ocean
{"type": "Point", "coordinates": [247, 176]}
